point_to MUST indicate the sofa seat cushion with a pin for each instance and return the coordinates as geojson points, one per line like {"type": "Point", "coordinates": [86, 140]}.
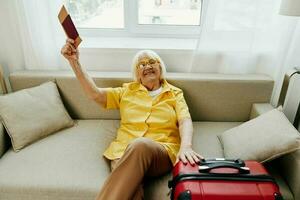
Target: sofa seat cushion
{"type": "Point", "coordinates": [66, 165]}
{"type": "Point", "coordinates": [69, 164]}
{"type": "Point", "coordinates": [205, 140]}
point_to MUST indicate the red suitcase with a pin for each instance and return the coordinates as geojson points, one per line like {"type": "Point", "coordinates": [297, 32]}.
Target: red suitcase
{"type": "Point", "coordinates": [220, 179]}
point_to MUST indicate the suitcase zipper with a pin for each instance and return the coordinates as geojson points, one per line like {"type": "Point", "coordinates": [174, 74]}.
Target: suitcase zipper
{"type": "Point", "coordinates": [229, 177]}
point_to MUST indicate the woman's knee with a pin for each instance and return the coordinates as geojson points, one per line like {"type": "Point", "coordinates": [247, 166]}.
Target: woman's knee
{"type": "Point", "coordinates": [143, 145]}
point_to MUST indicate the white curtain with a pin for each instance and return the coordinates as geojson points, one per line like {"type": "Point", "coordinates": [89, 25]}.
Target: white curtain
{"type": "Point", "coordinates": [288, 57]}
{"type": "Point", "coordinates": [40, 33]}
{"type": "Point", "coordinates": [240, 36]}
{"type": "Point", "coordinates": [246, 36]}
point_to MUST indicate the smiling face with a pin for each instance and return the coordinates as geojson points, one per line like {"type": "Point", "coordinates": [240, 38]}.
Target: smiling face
{"type": "Point", "coordinates": [148, 70]}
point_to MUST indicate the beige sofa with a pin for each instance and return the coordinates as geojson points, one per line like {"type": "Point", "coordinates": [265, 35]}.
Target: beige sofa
{"type": "Point", "coordinates": [68, 165]}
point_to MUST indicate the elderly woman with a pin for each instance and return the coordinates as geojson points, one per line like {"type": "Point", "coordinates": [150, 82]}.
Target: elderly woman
{"type": "Point", "coordinates": [156, 128]}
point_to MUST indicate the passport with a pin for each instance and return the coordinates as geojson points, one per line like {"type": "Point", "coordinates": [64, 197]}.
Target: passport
{"type": "Point", "coordinates": [68, 26]}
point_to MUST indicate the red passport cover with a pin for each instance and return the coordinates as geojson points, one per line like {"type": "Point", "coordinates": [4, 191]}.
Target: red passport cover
{"type": "Point", "coordinates": [69, 27]}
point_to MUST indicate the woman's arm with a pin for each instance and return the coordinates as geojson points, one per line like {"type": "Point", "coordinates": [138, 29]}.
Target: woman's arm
{"type": "Point", "coordinates": [186, 153]}
{"type": "Point", "coordinates": [88, 84]}
{"type": "Point", "coordinates": [93, 92]}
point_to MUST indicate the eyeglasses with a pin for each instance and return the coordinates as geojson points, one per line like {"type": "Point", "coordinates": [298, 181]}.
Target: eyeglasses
{"type": "Point", "coordinates": [144, 63]}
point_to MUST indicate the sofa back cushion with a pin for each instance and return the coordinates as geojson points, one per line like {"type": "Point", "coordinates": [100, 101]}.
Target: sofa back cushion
{"type": "Point", "coordinates": [210, 97]}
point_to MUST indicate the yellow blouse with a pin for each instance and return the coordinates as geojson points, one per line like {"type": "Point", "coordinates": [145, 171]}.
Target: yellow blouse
{"type": "Point", "coordinates": [143, 116]}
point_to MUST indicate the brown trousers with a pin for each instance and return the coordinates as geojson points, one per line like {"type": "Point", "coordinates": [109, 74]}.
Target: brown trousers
{"type": "Point", "coordinates": [142, 158]}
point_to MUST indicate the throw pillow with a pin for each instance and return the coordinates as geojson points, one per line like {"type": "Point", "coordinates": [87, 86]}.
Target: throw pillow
{"type": "Point", "coordinates": [262, 139]}
{"type": "Point", "coordinates": [33, 113]}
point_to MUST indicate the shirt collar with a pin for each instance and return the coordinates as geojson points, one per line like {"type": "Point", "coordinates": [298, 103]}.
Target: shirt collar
{"type": "Point", "coordinates": [165, 86]}
{"type": "Point", "coordinates": [138, 86]}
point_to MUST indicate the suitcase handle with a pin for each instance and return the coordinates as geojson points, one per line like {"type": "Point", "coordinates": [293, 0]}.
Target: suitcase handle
{"type": "Point", "coordinates": [210, 166]}
{"type": "Point", "coordinates": [239, 162]}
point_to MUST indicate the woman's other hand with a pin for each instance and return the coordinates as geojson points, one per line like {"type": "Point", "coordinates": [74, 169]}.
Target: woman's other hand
{"type": "Point", "coordinates": [69, 51]}
{"type": "Point", "coordinates": [187, 154]}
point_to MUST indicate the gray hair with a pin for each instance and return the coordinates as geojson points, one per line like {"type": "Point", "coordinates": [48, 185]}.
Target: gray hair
{"type": "Point", "coordinates": [147, 54]}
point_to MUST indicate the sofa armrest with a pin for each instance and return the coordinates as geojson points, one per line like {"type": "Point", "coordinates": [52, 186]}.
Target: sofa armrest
{"type": "Point", "coordinates": [4, 142]}
{"type": "Point", "coordinates": [259, 108]}
{"type": "Point", "coordinates": [289, 167]}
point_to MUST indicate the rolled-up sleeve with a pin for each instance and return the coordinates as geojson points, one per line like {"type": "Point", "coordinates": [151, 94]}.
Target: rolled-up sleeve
{"type": "Point", "coordinates": [181, 108]}
{"type": "Point", "coordinates": [113, 97]}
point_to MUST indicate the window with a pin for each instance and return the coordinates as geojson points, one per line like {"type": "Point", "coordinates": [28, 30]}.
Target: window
{"type": "Point", "coordinates": [236, 15]}
{"type": "Point", "coordinates": [145, 18]}
{"type": "Point", "coordinates": [169, 12]}
{"type": "Point", "coordinates": [97, 13]}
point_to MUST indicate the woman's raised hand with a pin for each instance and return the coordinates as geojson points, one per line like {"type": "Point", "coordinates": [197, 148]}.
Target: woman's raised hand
{"type": "Point", "coordinates": [69, 51]}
